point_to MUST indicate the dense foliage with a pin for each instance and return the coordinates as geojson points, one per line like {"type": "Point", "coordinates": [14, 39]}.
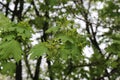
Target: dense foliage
{"type": "Point", "coordinates": [78, 39]}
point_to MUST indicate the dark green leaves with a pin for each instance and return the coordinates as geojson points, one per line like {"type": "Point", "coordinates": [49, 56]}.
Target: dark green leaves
{"type": "Point", "coordinates": [38, 22]}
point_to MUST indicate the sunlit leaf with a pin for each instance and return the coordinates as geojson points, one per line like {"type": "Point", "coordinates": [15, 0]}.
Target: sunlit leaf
{"type": "Point", "coordinates": [38, 50]}
{"type": "Point", "coordinates": [5, 23]}
{"type": "Point", "coordinates": [11, 48]}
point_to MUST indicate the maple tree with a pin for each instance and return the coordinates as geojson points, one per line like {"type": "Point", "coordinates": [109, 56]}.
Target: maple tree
{"type": "Point", "coordinates": [62, 41]}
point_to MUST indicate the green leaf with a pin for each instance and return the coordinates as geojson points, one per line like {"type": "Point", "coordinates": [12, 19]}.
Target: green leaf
{"type": "Point", "coordinates": [38, 50]}
{"type": "Point", "coordinates": [54, 2]}
{"type": "Point", "coordinates": [17, 52]}
{"type": "Point", "coordinates": [52, 30]}
{"type": "Point", "coordinates": [8, 68]}
{"type": "Point", "coordinates": [5, 23]}
{"type": "Point", "coordinates": [24, 30]}
{"type": "Point", "coordinates": [38, 22]}
{"type": "Point", "coordinates": [11, 48]}
{"type": "Point", "coordinates": [112, 63]}
{"type": "Point", "coordinates": [8, 37]}
{"type": "Point", "coordinates": [64, 53]}
{"type": "Point", "coordinates": [113, 48]}
{"type": "Point", "coordinates": [65, 38]}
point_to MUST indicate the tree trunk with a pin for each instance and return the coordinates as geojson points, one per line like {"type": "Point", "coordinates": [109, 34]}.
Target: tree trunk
{"type": "Point", "coordinates": [18, 75]}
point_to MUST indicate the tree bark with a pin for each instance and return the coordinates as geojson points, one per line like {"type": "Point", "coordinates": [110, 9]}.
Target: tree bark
{"type": "Point", "coordinates": [37, 71]}
{"type": "Point", "coordinates": [18, 71]}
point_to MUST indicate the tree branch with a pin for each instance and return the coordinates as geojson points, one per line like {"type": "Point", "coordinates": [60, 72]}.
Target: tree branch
{"type": "Point", "coordinates": [5, 5]}
{"type": "Point", "coordinates": [20, 9]}
{"type": "Point", "coordinates": [36, 11]}
{"type": "Point", "coordinates": [15, 10]}
{"type": "Point", "coordinates": [7, 8]}
{"type": "Point", "coordinates": [37, 69]}
{"type": "Point", "coordinates": [26, 61]}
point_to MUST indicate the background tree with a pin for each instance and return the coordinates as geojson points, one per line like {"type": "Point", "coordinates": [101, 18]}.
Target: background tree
{"type": "Point", "coordinates": [65, 28]}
